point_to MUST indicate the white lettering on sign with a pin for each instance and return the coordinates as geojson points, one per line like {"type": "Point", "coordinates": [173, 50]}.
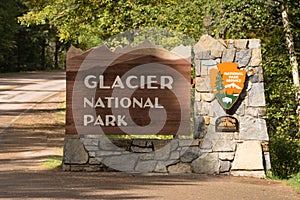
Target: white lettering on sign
{"type": "Point", "coordinates": [143, 82]}
{"type": "Point", "coordinates": [125, 102]}
{"type": "Point", "coordinates": [108, 120]}
{"type": "Point", "coordinates": [151, 82]}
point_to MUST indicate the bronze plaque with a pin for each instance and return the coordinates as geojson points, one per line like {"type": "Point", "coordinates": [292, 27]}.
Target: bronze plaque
{"type": "Point", "coordinates": [227, 124]}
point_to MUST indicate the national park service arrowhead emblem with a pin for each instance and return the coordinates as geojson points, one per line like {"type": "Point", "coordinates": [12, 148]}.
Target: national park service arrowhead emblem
{"type": "Point", "coordinates": [227, 82]}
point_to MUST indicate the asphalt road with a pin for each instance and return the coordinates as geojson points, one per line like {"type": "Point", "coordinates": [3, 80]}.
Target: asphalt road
{"type": "Point", "coordinates": [20, 92]}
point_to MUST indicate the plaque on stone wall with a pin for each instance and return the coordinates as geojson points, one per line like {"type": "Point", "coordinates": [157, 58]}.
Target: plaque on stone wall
{"type": "Point", "coordinates": [227, 124]}
{"type": "Point", "coordinates": [227, 82]}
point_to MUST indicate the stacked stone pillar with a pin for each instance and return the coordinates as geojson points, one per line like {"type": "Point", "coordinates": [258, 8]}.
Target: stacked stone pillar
{"type": "Point", "coordinates": [238, 153]}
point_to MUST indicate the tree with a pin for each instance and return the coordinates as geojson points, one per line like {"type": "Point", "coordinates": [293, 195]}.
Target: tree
{"type": "Point", "coordinates": [8, 28]}
{"type": "Point", "coordinates": [219, 82]}
{"type": "Point", "coordinates": [292, 53]}
{"type": "Point", "coordinates": [87, 23]}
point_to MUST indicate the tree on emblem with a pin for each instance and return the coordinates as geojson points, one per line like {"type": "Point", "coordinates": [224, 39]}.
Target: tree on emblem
{"type": "Point", "coordinates": [219, 84]}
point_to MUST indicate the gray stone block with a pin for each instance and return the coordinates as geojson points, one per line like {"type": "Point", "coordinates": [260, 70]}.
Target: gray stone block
{"type": "Point", "coordinates": [174, 144]}
{"type": "Point", "coordinates": [145, 166]}
{"type": "Point", "coordinates": [179, 168]}
{"type": "Point", "coordinates": [205, 108]}
{"type": "Point", "coordinates": [224, 143]}
{"type": "Point", "coordinates": [208, 97]}
{"type": "Point", "coordinates": [241, 109]}
{"type": "Point", "coordinates": [210, 138]}
{"type": "Point", "coordinates": [74, 152]}
{"type": "Point", "coordinates": [137, 149]}
{"type": "Point", "coordinates": [197, 96]}
{"type": "Point", "coordinates": [91, 148]}
{"type": "Point", "coordinates": [253, 129]}
{"type": "Point", "coordinates": [90, 142]}
{"type": "Point", "coordinates": [255, 78]}
{"type": "Point", "coordinates": [255, 174]}
{"type": "Point", "coordinates": [256, 58]}
{"type": "Point", "coordinates": [226, 156]}
{"type": "Point", "coordinates": [206, 164]}
{"type": "Point", "coordinates": [197, 67]}
{"type": "Point", "coordinates": [106, 144]}
{"type": "Point", "coordinates": [175, 155]}
{"type": "Point", "coordinates": [185, 142]}
{"type": "Point", "coordinates": [210, 62]}
{"type": "Point", "coordinates": [241, 43]}
{"type": "Point", "coordinates": [162, 154]}
{"type": "Point", "coordinates": [217, 110]}
{"type": "Point", "coordinates": [243, 57]}
{"type": "Point", "coordinates": [204, 70]}
{"type": "Point", "coordinates": [102, 153]}
{"type": "Point", "coordinates": [248, 157]}
{"type": "Point", "coordinates": [190, 154]}
{"type": "Point", "coordinates": [142, 143]}
{"type": "Point", "coordinates": [224, 166]}
{"type": "Point", "coordinates": [267, 160]}
{"type": "Point", "coordinates": [124, 163]}
{"type": "Point", "coordinates": [259, 70]}
{"type": "Point", "coordinates": [228, 55]}
{"type": "Point", "coordinates": [203, 84]}
{"type": "Point", "coordinates": [256, 111]}
{"type": "Point", "coordinates": [257, 95]}
{"type": "Point", "coordinates": [197, 108]}
{"type": "Point", "coordinates": [199, 127]}
{"type": "Point", "coordinates": [94, 161]}
{"type": "Point", "coordinates": [202, 54]}
{"type": "Point", "coordinates": [207, 43]}
{"type": "Point", "coordinates": [254, 44]}
{"type": "Point", "coordinates": [146, 156]}
{"type": "Point", "coordinates": [159, 144]}
{"type": "Point", "coordinates": [160, 167]}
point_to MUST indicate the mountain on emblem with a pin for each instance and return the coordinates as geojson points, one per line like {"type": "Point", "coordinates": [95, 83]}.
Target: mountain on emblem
{"type": "Point", "coordinates": [227, 82]}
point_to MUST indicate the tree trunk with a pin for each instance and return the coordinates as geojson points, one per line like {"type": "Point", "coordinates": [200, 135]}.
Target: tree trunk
{"type": "Point", "coordinates": [56, 52]}
{"type": "Point", "coordinates": [292, 54]}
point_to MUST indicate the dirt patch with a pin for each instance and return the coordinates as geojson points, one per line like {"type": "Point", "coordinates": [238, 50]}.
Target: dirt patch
{"type": "Point", "coordinates": [36, 135]}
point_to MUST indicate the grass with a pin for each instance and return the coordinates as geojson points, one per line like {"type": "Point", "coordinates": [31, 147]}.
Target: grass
{"type": "Point", "coordinates": [294, 181]}
{"type": "Point", "coordinates": [61, 115]}
{"type": "Point", "coordinates": [53, 162]}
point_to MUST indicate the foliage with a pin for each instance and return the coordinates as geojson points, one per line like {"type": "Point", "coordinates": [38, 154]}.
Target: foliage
{"type": "Point", "coordinates": [24, 48]}
{"type": "Point", "coordinates": [87, 23]}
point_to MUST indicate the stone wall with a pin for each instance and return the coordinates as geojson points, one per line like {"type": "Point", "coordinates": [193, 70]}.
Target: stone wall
{"type": "Point", "coordinates": [242, 153]}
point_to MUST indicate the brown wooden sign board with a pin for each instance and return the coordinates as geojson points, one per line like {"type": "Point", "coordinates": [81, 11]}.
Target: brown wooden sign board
{"type": "Point", "coordinates": [128, 92]}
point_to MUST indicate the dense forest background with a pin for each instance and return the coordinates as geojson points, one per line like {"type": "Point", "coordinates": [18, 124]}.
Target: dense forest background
{"type": "Point", "coordinates": [36, 33]}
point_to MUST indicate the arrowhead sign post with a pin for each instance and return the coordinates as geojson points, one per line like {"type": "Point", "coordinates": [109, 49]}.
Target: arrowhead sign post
{"type": "Point", "coordinates": [227, 82]}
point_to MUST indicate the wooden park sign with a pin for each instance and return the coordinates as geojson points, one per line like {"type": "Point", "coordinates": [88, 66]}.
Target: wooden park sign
{"type": "Point", "coordinates": [143, 90]}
